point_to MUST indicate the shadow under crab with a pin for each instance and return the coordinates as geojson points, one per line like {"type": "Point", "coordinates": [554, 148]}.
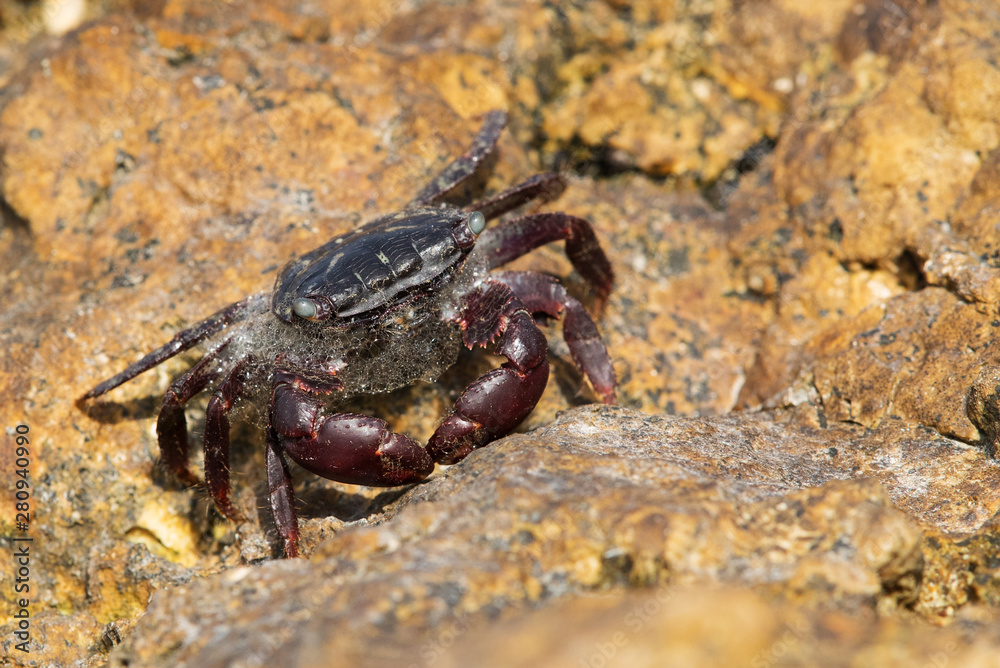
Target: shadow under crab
{"type": "Point", "coordinates": [377, 309]}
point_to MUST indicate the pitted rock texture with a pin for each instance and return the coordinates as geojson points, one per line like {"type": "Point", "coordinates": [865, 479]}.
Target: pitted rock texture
{"type": "Point", "coordinates": [800, 206]}
{"type": "Point", "coordinates": [603, 498]}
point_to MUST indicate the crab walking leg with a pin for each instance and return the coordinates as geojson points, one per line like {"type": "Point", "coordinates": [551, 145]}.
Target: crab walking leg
{"type": "Point", "coordinates": [282, 496]}
{"type": "Point", "coordinates": [544, 294]}
{"type": "Point", "coordinates": [465, 166]}
{"type": "Point", "coordinates": [183, 341]}
{"type": "Point", "coordinates": [217, 437]}
{"type": "Point", "coordinates": [546, 186]}
{"type": "Point", "coordinates": [513, 238]}
{"type": "Point", "coordinates": [171, 425]}
{"type": "Point", "coordinates": [499, 400]}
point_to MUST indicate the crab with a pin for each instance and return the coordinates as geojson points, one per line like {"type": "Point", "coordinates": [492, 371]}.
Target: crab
{"type": "Point", "coordinates": [376, 309]}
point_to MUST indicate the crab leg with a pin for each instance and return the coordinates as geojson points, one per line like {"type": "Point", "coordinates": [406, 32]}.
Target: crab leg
{"type": "Point", "coordinates": [513, 238]}
{"type": "Point", "coordinates": [465, 166]}
{"type": "Point", "coordinates": [217, 437]}
{"type": "Point", "coordinates": [171, 425]}
{"type": "Point", "coordinates": [499, 400]}
{"type": "Point", "coordinates": [282, 496]}
{"type": "Point", "coordinates": [547, 186]}
{"type": "Point", "coordinates": [544, 294]}
{"type": "Point", "coordinates": [181, 342]}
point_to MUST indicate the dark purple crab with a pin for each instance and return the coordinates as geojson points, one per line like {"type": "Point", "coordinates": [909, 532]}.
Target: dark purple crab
{"type": "Point", "coordinates": [377, 309]}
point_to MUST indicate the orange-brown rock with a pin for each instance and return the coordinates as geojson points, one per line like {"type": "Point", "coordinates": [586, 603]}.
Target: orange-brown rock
{"type": "Point", "coordinates": [800, 204]}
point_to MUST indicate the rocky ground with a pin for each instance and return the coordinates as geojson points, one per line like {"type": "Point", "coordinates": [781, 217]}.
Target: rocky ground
{"type": "Point", "coordinates": [798, 200]}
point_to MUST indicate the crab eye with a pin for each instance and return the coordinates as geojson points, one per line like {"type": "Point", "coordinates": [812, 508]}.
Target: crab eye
{"type": "Point", "coordinates": [477, 222]}
{"type": "Point", "coordinates": [305, 308]}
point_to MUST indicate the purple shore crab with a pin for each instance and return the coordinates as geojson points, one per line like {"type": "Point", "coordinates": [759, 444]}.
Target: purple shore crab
{"type": "Point", "coordinates": [377, 309]}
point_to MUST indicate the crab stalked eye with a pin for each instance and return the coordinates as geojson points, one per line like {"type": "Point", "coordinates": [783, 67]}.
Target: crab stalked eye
{"type": "Point", "coordinates": [305, 308]}
{"type": "Point", "coordinates": [477, 222]}
{"type": "Point", "coordinates": [465, 230]}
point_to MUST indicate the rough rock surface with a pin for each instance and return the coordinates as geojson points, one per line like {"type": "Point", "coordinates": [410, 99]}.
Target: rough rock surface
{"type": "Point", "coordinates": [603, 498]}
{"type": "Point", "coordinates": [799, 200]}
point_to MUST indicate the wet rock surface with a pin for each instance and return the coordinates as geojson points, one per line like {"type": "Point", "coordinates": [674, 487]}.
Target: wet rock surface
{"type": "Point", "coordinates": [799, 203]}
